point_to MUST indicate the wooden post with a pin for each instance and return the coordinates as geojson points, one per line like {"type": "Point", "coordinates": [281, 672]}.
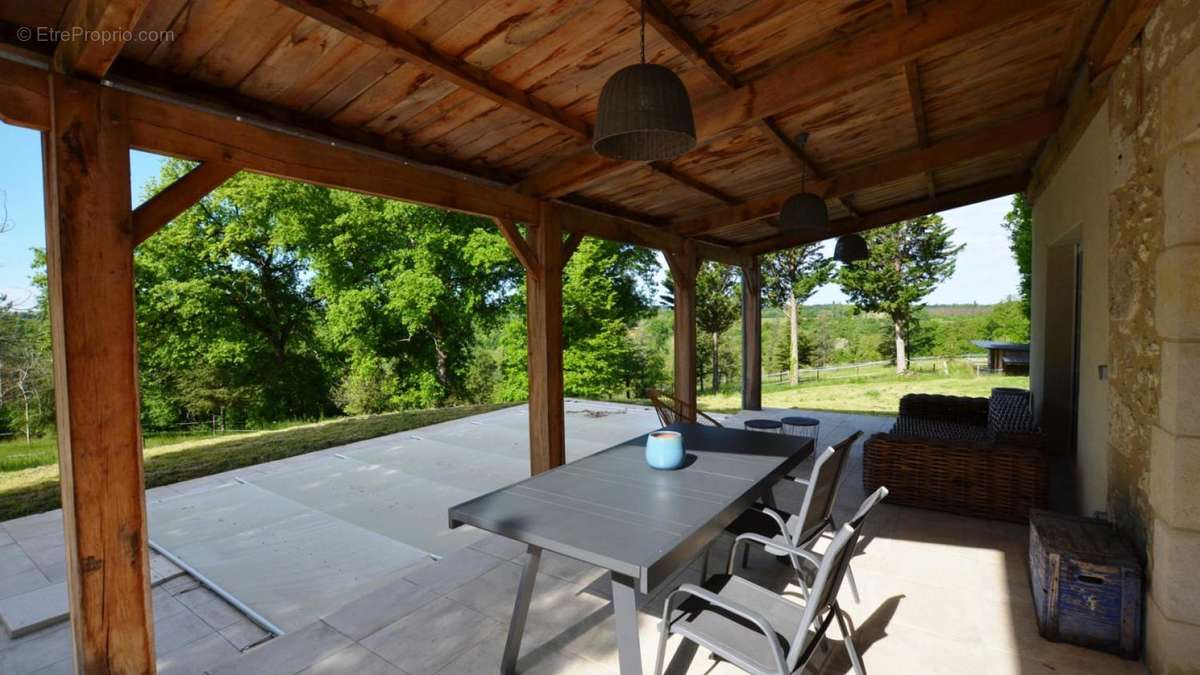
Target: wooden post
{"type": "Point", "coordinates": [89, 251]}
{"type": "Point", "coordinates": [543, 253]}
{"type": "Point", "coordinates": [684, 266]}
{"type": "Point", "coordinates": [752, 336]}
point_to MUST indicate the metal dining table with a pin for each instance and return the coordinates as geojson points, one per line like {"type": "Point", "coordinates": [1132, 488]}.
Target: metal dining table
{"type": "Point", "coordinates": [612, 510]}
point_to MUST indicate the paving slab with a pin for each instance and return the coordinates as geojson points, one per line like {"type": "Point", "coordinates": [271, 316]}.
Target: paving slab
{"type": "Point", "coordinates": [27, 612]}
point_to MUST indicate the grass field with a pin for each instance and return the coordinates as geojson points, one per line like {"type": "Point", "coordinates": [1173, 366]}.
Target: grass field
{"type": "Point", "coordinates": [33, 490]}
{"type": "Point", "coordinates": [17, 454]}
{"type": "Point", "coordinates": [874, 395]}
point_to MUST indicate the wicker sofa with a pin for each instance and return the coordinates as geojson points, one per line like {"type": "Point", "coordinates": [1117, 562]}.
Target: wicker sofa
{"type": "Point", "coordinates": [942, 454]}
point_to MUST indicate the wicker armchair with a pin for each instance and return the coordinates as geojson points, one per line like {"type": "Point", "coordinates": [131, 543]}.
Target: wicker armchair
{"type": "Point", "coordinates": [671, 410]}
{"type": "Point", "coordinates": [998, 475]}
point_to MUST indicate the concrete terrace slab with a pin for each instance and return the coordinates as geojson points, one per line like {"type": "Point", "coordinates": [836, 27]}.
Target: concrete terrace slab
{"type": "Point", "coordinates": [296, 539]}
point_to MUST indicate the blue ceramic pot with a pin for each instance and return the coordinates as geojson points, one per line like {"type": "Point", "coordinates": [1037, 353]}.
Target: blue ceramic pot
{"type": "Point", "coordinates": [664, 449]}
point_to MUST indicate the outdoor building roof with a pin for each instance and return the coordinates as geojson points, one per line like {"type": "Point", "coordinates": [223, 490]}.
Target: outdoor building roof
{"type": "Point", "coordinates": [911, 107]}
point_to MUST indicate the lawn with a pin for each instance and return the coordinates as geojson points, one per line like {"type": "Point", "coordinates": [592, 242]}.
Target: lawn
{"type": "Point", "coordinates": [879, 395]}
{"type": "Point", "coordinates": [33, 490]}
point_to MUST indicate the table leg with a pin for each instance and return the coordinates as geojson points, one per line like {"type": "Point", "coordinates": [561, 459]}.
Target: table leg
{"type": "Point", "coordinates": [516, 625]}
{"type": "Point", "coordinates": [629, 652]}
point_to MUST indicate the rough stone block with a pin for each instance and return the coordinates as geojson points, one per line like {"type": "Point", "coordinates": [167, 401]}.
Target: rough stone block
{"type": "Point", "coordinates": [1172, 648]}
{"type": "Point", "coordinates": [1176, 587]}
{"type": "Point", "coordinates": [1177, 304]}
{"type": "Point", "coordinates": [1174, 475]}
{"type": "Point", "coordinates": [1180, 119]}
{"type": "Point", "coordinates": [1179, 405]}
{"type": "Point", "coordinates": [1181, 195]}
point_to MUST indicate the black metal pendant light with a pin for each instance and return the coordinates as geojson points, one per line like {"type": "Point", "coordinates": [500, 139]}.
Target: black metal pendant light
{"type": "Point", "coordinates": [805, 210]}
{"type": "Point", "coordinates": [850, 248]}
{"type": "Point", "coordinates": [644, 113]}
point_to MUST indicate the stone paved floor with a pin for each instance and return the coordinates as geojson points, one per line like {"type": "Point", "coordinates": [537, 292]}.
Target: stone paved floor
{"type": "Point", "coordinates": [193, 630]}
{"type": "Point", "coordinates": [940, 594]}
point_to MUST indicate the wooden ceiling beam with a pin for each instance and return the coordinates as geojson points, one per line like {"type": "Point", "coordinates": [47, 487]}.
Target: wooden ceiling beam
{"type": "Point", "coordinates": [666, 24]}
{"type": "Point", "coordinates": [814, 78]}
{"type": "Point", "coordinates": [583, 221]}
{"type": "Point", "coordinates": [95, 34]}
{"type": "Point", "coordinates": [370, 29]}
{"type": "Point", "coordinates": [178, 197]}
{"type": "Point", "coordinates": [991, 189]}
{"type": "Point", "coordinates": [797, 156]}
{"type": "Point", "coordinates": [916, 101]}
{"type": "Point", "coordinates": [1118, 28]}
{"type": "Point", "coordinates": [947, 153]}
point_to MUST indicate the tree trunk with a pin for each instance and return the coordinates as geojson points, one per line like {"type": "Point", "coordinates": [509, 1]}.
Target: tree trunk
{"type": "Point", "coordinates": [901, 353]}
{"type": "Point", "coordinates": [716, 340]}
{"type": "Point", "coordinates": [794, 354]}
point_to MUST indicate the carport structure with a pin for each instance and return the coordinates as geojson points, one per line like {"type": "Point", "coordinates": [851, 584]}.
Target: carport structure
{"type": "Point", "coordinates": [486, 107]}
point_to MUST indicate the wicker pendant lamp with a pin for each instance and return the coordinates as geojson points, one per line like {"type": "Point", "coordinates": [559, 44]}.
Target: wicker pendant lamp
{"type": "Point", "coordinates": [850, 248]}
{"type": "Point", "coordinates": [644, 113]}
{"type": "Point", "coordinates": [805, 210]}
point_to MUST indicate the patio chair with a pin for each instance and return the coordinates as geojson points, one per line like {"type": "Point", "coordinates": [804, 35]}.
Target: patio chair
{"type": "Point", "coordinates": [804, 529]}
{"type": "Point", "coordinates": [816, 511]}
{"type": "Point", "coordinates": [671, 410]}
{"type": "Point", "coordinates": [755, 628]}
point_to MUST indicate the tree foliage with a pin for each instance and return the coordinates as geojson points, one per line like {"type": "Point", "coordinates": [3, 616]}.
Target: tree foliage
{"type": "Point", "coordinates": [718, 306]}
{"type": "Point", "coordinates": [1019, 223]}
{"type": "Point", "coordinates": [907, 261]}
{"type": "Point", "coordinates": [790, 277]}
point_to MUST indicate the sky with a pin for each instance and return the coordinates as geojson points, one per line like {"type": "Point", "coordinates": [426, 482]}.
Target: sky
{"type": "Point", "coordinates": [985, 273]}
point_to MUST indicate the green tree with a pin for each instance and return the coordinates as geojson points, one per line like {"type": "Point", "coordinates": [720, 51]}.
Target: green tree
{"type": "Point", "coordinates": [606, 292]}
{"type": "Point", "coordinates": [790, 277]}
{"type": "Point", "coordinates": [907, 261]}
{"type": "Point", "coordinates": [1019, 223]}
{"type": "Point", "coordinates": [407, 290]}
{"type": "Point", "coordinates": [1007, 322]}
{"type": "Point", "coordinates": [225, 312]}
{"type": "Point", "coordinates": [718, 306]}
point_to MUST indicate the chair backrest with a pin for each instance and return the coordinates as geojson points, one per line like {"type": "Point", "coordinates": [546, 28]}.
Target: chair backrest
{"type": "Point", "coordinates": [860, 516]}
{"type": "Point", "coordinates": [671, 410]}
{"type": "Point", "coordinates": [822, 490]}
{"type": "Point", "coordinates": [824, 591]}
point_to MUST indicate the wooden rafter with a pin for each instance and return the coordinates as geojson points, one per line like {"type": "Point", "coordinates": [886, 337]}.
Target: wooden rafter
{"type": "Point", "coordinates": [177, 197]}
{"type": "Point", "coordinates": [694, 183]}
{"type": "Point", "coordinates": [1100, 49]}
{"type": "Point", "coordinates": [916, 102]}
{"type": "Point", "coordinates": [381, 34]}
{"type": "Point", "coordinates": [813, 78]}
{"type": "Point", "coordinates": [947, 153]}
{"type": "Point", "coordinates": [102, 26]}
{"type": "Point", "coordinates": [947, 200]}
{"type": "Point", "coordinates": [673, 31]}
{"type": "Point", "coordinates": [1122, 23]}
{"type": "Point", "coordinates": [797, 156]}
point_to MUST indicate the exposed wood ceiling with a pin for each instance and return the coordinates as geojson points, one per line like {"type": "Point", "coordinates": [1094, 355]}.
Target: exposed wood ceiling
{"type": "Point", "coordinates": [907, 104]}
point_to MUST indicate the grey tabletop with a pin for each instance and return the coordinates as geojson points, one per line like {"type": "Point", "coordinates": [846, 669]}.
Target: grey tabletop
{"type": "Point", "coordinates": [612, 510]}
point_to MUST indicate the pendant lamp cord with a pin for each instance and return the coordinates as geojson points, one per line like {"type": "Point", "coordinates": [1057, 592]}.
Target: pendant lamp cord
{"type": "Point", "coordinates": [643, 5]}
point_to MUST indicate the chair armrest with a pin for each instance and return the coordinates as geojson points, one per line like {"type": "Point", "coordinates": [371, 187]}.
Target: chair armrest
{"type": "Point", "coordinates": [749, 538]}
{"type": "Point", "coordinates": [764, 626]}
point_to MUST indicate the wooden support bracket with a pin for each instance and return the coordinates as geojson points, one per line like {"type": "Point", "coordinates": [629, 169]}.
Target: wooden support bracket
{"type": "Point", "coordinates": [178, 197]}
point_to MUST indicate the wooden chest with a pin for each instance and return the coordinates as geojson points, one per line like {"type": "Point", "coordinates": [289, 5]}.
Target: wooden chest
{"type": "Point", "coordinates": [1087, 584]}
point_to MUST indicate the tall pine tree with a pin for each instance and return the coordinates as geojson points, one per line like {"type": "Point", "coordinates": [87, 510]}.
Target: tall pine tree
{"type": "Point", "coordinates": [907, 261]}
{"type": "Point", "coordinates": [790, 277]}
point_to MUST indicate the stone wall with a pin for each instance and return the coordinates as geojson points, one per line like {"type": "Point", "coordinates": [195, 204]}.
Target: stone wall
{"type": "Point", "coordinates": [1154, 323]}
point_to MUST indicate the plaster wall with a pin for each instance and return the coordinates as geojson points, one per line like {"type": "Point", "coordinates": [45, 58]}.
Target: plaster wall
{"type": "Point", "coordinates": [1073, 210]}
